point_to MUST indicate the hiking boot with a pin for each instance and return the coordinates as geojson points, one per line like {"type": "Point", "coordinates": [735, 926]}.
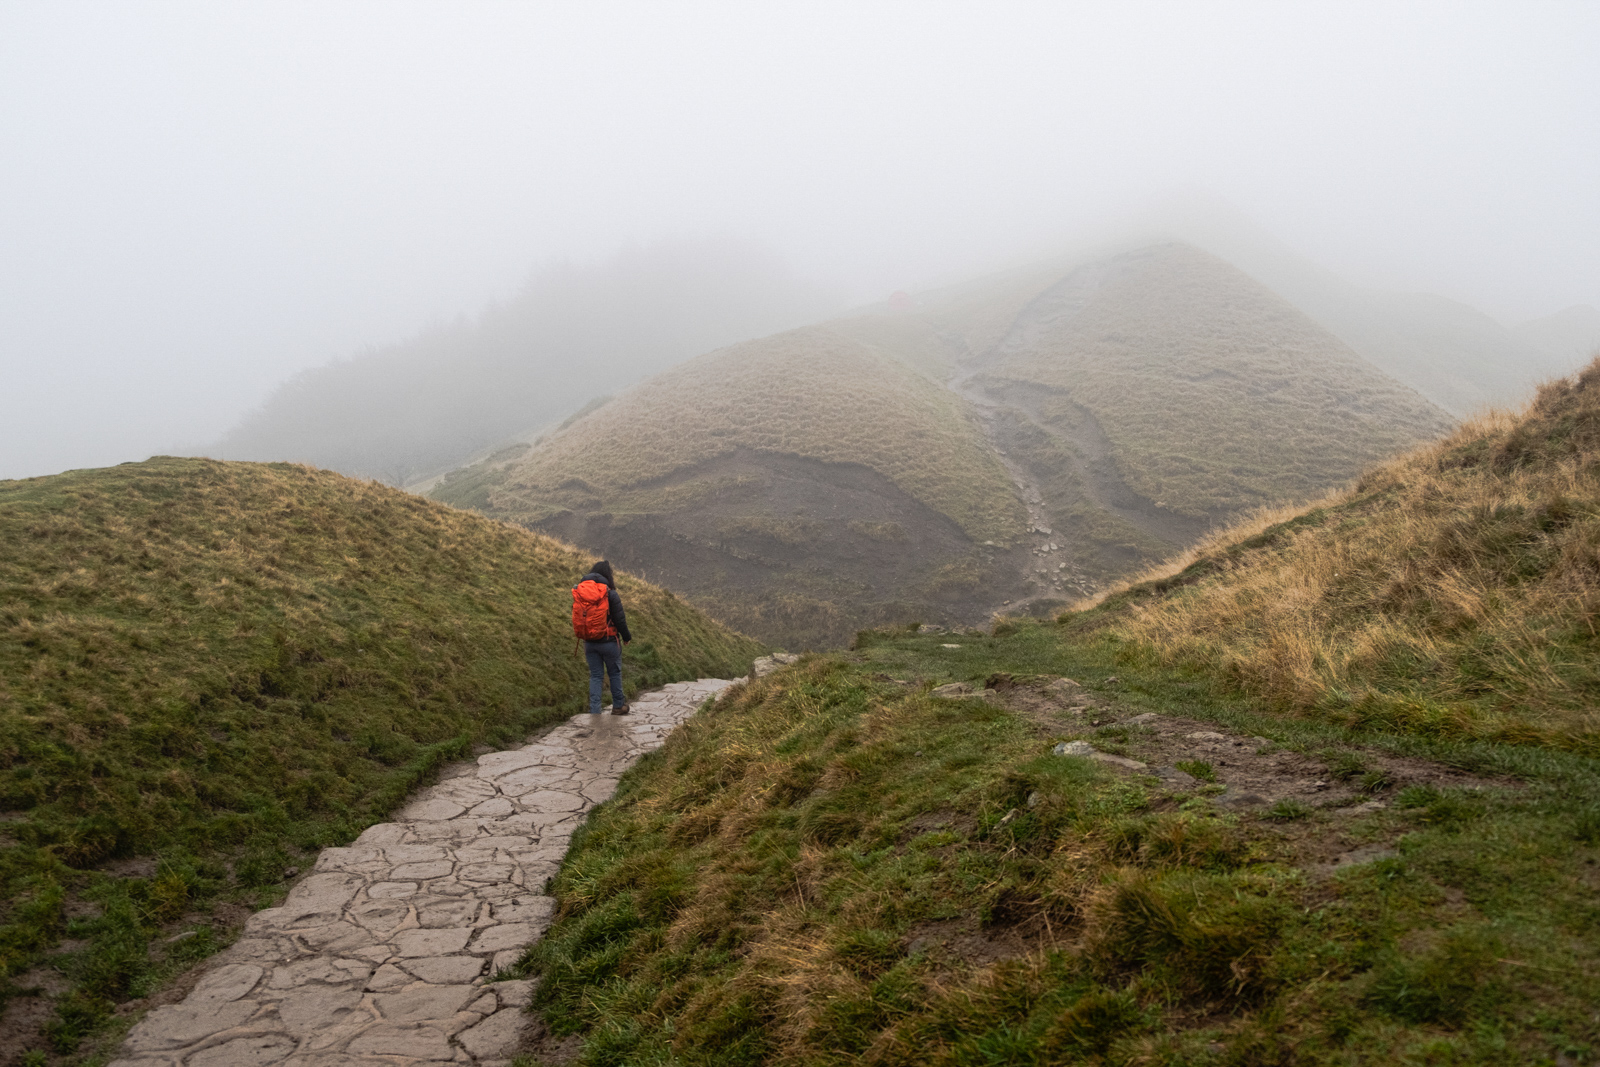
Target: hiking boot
{"type": "Point", "coordinates": [619, 710]}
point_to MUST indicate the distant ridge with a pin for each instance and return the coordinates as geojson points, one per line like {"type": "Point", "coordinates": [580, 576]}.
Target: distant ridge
{"type": "Point", "coordinates": [1016, 440]}
{"type": "Point", "coordinates": [411, 410]}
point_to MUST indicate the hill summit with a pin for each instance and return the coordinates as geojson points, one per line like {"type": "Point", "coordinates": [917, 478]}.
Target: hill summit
{"type": "Point", "coordinates": [1019, 440]}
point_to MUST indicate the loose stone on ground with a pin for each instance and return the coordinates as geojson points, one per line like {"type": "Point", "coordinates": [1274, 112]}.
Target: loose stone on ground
{"type": "Point", "coordinates": [385, 954]}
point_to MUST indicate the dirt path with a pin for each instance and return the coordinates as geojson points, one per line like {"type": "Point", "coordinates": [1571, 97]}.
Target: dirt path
{"type": "Point", "coordinates": [384, 954]}
{"type": "Point", "coordinates": [1044, 567]}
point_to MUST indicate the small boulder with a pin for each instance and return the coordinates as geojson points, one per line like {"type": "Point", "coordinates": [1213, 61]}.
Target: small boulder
{"type": "Point", "coordinates": [1074, 748]}
{"type": "Point", "coordinates": [767, 664]}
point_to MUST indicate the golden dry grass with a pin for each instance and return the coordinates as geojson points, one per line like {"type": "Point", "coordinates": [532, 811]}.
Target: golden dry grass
{"type": "Point", "coordinates": [1455, 590]}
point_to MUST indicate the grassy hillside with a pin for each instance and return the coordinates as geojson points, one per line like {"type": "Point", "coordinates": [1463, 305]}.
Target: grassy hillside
{"type": "Point", "coordinates": [839, 864]}
{"type": "Point", "coordinates": [1213, 394]}
{"type": "Point", "coordinates": [817, 393]}
{"type": "Point", "coordinates": [1572, 334]}
{"type": "Point", "coordinates": [222, 666]}
{"type": "Point", "coordinates": [1453, 590]}
{"type": "Point", "coordinates": [1022, 438]}
{"type": "Point", "coordinates": [795, 486]}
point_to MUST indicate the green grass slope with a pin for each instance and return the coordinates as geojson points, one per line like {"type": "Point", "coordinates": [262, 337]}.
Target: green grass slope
{"type": "Point", "coordinates": [836, 865]}
{"type": "Point", "coordinates": [225, 665]}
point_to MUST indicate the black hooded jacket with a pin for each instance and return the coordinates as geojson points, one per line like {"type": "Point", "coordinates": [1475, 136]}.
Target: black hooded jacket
{"type": "Point", "coordinates": [601, 572]}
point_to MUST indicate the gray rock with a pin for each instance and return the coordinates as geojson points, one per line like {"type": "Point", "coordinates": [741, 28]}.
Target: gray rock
{"type": "Point", "coordinates": [1366, 807]}
{"type": "Point", "coordinates": [226, 983]}
{"type": "Point", "coordinates": [445, 970]}
{"type": "Point", "coordinates": [515, 994]}
{"type": "Point", "coordinates": [496, 1037]}
{"type": "Point", "coordinates": [487, 872]}
{"type": "Point", "coordinates": [318, 969]}
{"type": "Point", "coordinates": [245, 1052]}
{"type": "Point", "coordinates": [1074, 748]}
{"type": "Point", "coordinates": [442, 942]}
{"type": "Point", "coordinates": [435, 809]}
{"type": "Point", "coordinates": [388, 978]}
{"type": "Point", "coordinates": [182, 1024]}
{"type": "Point", "coordinates": [313, 1009]}
{"type": "Point", "coordinates": [391, 890]}
{"type": "Point", "coordinates": [440, 913]}
{"type": "Point", "coordinates": [551, 801]}
{"type": "Point", "coordinates": [423, 871]}
{"type": "Point", "coordinates": [507, 935]}
{"type": "Point", "coordinates": [412, 1042]}
{"type": "Point", "coordinates": [765, 665]}
{"type": "Point", "coordinates": [427, 1003]}
{"type": "Point", "coordinates": [1119, 761]}
{"type": "Point", "coordinates": [538, 910]}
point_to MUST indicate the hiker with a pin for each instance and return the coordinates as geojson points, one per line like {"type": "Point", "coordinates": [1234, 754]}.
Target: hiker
{"type": "Point", "coordinates": [599, 622]}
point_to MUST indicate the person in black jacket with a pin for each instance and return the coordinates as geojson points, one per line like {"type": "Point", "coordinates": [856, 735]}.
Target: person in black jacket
{"type": "Point", "coordinates": [607, 655]}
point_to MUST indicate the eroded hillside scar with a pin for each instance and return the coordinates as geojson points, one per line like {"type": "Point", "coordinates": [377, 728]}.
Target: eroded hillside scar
{"type": "Point", "coordinates": [388, 952]}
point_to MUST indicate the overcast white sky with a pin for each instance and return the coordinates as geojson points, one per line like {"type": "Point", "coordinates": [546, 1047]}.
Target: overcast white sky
{"type": "Point", "coordinates": [197, 199]}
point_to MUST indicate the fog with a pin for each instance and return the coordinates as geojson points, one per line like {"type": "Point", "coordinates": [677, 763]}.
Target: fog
{"type": "Point", "coordinates": [199, 201]}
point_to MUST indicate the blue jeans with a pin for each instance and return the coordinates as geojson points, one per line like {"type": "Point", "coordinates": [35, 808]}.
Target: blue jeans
{"type": "Point", "coordinates": [607, 655]}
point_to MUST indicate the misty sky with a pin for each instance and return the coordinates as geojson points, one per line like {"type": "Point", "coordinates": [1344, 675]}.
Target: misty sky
{"type": "Point", "coordinates": [198, 199]}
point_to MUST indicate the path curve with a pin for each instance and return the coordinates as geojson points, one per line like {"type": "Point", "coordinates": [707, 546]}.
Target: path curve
{"type": "Point", "coordinates": [383, 955]}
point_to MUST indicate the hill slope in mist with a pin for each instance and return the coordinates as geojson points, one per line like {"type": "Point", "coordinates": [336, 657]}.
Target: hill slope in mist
{"type": "Point", "coordinates": [1570, 334]}
{"type": "Point", "coordinates": [427, 405]}
{"type": "Point", "coordinates": [1453, 591]}
{"type": "Point", "coordinates": [1022, 438]}
{"type": "Point", "coordinates": [1453, 354]}
{"type": "Point", "coordinates": [228, 663]}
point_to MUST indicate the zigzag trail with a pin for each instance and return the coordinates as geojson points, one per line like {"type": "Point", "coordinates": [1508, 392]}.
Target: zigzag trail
{"type": "Point", "coordinates": [383, 955]}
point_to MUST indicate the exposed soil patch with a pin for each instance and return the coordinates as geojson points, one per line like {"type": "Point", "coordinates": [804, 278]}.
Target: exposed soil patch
{"type": "Point", "coordinates": [932, 821]}
{"type": "Point", "coordinates": [22, 1025]}
{"type": "Point", "coordinates": [798, 551]}
{"type": "Point", "coordinates": [966, 941]}
{"type": "Point", "coordinates": [545, 1047]}
{"type": "Point", "coordinates": [1245, 773]}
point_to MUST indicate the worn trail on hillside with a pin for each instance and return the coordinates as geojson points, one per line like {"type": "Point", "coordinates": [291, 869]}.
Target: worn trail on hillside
{"type": "Point", "coordinates": [384, 954]}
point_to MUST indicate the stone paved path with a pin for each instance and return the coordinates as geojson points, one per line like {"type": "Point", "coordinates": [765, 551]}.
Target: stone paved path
{"type": "Point", "coordinates": [383, 955]}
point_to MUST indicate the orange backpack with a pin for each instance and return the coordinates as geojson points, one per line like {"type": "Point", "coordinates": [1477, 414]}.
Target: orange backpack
{"type": "Point", "coordinates": [591, 611]}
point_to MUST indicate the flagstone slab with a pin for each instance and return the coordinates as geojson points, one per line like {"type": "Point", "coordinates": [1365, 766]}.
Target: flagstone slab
{"type": "Point", "coordinates": [384, 955]}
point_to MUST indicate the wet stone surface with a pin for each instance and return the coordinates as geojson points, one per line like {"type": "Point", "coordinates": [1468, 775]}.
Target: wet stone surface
{"type": "Point", "coordinates": [384, 954]}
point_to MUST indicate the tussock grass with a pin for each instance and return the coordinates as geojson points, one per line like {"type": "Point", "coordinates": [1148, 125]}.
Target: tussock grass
{"type": "Point", "coordinates": [1452, 591]}
{"type": "Point", "coordinates": [828, 867]}
{"type": "Point", "coordinates": [226, 665]}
